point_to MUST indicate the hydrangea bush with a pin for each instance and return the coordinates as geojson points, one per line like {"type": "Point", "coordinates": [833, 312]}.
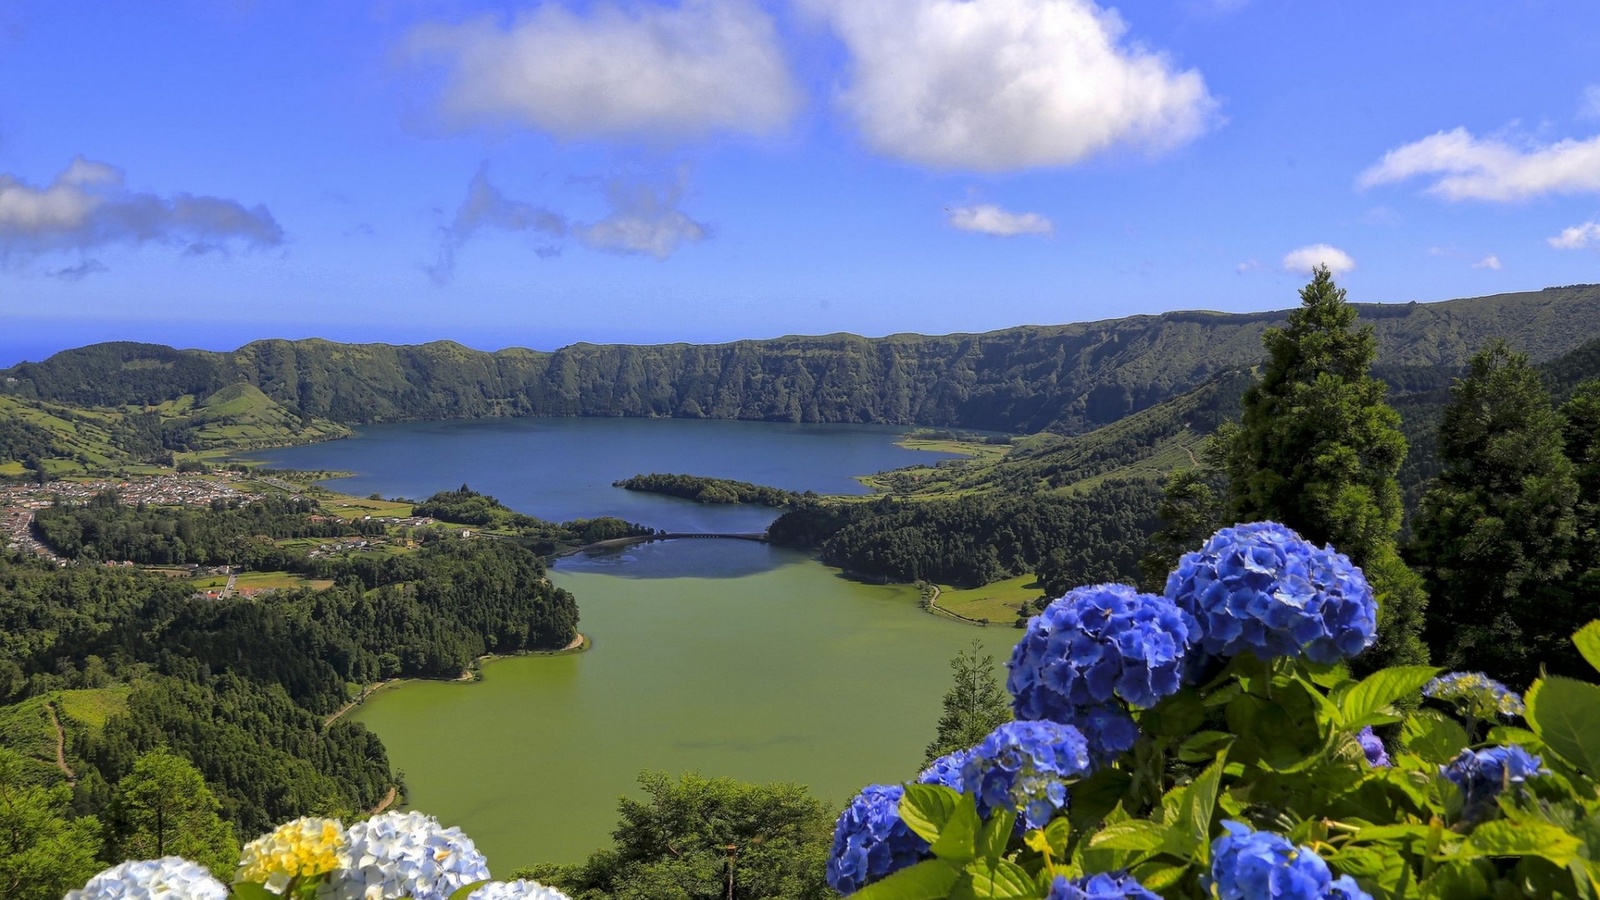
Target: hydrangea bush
{"type": "Point", "coordinates": [1212, 742]}
{"type": "Point", "coordinates": [389, 856]}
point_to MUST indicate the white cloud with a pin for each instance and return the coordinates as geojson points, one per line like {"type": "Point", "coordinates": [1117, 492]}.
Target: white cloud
{"type": "Point", "coordinates": [1249, 265]}
{"type": "Point", "coordinates": [486, 207]}
{"type": "Point", "coordinates": [1589, 103]}
{"type": "Point", "coordinates": [986, 218]}
{"type": "Point", "coordinates": [1307, 258]}
{"type": "Point", "coordinates": [1488, 262]}
{"type": "Point", "coordinates": [644, 219]}
{"type": "Point", "coordinates": [89, 204]}
{"type": "Point", "coordinates": [1577, 237]}
{"type": "Point", "coordinates": [1008, 84]}
{"type": "Point", "coordinates": [617, 70]}
{"type": "Point", "coordinates": [1467, 168]}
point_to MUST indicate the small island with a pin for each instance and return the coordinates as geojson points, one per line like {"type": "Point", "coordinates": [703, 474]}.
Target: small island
{"type": "Point", "coordinates": [701, 489]}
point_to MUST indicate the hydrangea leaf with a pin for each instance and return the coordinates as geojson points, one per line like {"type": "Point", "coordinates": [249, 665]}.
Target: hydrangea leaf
{"type": "Point", "coordinates": [1096, 796]}
{"type": "Point", "coordinates": [1382, 865]}
{"type": "Point", "coordinates": [1432, 735]}
{"type": "Point", "coordinates": [465, 891]}
{"type": "Point", "coordinates": [1159, 876]}
{"type": "Point", "coordinates": [1565, 713]}
{"type": "Point", "coordinates": [1381, 689]}
{"type": "Point", "coordinates": [1458, 880]}
{"type": "Point", "coordinates": [994, 836]}
{"type": "Point", "coordinates": [958, 839]}
{"type": "Point", "coordinates": [1175, 716]}
{"type": "Point", "coordinates": [930, 879]}
{"type": "Point", "coordinates": [1056, 834]}
{"type": "Point", "coordinates": [1504, 837]}
{"type": "Point", "coordinates": [1134, 834]}
{"type": "Point", "coordinates": [998, 880]}
{"type": "Point", "coordinates": [249, 890]}
{"type": "Point", "coordinates": [1190, 836]}
{"type": "Point", "coordinates": [1587, 639]}
{"type": "Point", "coordinates": [925, 808]}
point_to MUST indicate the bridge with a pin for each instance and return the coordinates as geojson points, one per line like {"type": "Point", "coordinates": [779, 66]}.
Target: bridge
{"type": "Point", "coordinates": [760, 536]}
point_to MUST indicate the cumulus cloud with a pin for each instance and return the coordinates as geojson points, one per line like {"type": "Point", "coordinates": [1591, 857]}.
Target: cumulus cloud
{"type": "Point", "coordinates": [486, 207]}
{"type": "Point", "coordinates": [89, 205]}
{"type": "Point", "coordinates": [1577, 237]}
{"type": "Point", "coordinates": [644, 218]}
{"type": "Point", "coordinates": [1488, 262]}
{"type": "Point", "coordinates": [1008, 84]}
{"type": "Point", "coordinates": [1464, 167]}
{"type": "Point", "coordinates": [986, 218]}
{"type": "Point", "coordinates": [1307, 258]}
{"type": "Point", "coordinates": [617, 70]}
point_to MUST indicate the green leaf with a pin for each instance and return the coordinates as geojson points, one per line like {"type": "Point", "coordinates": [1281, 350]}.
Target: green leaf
{"type": "Point", "coordinates": [1056, 834]}
{"type": "Point", "coordinates": [1159, 876]}
{"type": "Point", "coordinates": [1096, 796]}
{"type": "Point", "coordinates": [465, 891]}
{"type": "Point", "coordinates": [1382, 688]}
{"type": "Point", "coordinates": [930, 879]}
{"type": "Point", "coordinates": [249, 890]}
{"type": "Point", "coordinates": [1565, 713]}
{"type": "Point", "coordinates": [1588, 640]}
{"type": "Point", "coordinates": [1203, 745]}
{"type": "Point", "coordinates": [995, 834]}
{"type": "Point", "coordinates": [925, 808]}
{"type": "Point", "coordinates": [998, 880]}
{"type": "Point", "coordinates": [1503, 837]}
{"type": "Point", "coordinates": [1190, 836]}
{"type": "Point", "coordinates": [958, 839]}
{"type": "Point", "coordinates": [1432, 735]}
{"type": "Point", "coordinates": [1460, 880]}
{"type": "Point", "coordinates": [1175, 716]}
{"type": "Point", "coordinates": [1134, 834]}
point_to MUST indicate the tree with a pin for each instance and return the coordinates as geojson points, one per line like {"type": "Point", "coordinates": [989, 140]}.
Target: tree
{"type": "Point", "coordinates": [1188, 512]}
{"type": "Point", "coordinates": [974, 705]}
{"type": "Point", "coordinates": [1495, 530]}
{"type": "Point", "coordinates": [164, 808]}
{"type": "Point", "coordinates": [1317, 449]}
{"type": "Point", "coordinates": [706, 839]}
{"type": "Point", "coordinates": [43, 851]}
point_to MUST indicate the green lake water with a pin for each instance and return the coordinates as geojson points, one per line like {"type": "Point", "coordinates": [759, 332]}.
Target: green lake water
{"type": "Point", "coordinates": [718, 656]}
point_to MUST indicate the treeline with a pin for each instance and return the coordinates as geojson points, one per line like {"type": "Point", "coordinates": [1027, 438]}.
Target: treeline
{"type": "Point", "coordinates": [1097, 536]}
{"type": "Point", "coordinates": [702, 489]}
{"type": "Point", "coordinates": [465, 506]}
{"type": "Point", "coordinates": [1066, 378]}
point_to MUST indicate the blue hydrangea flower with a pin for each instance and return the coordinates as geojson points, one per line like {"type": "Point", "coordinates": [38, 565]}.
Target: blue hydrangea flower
{"type": "Point", "coordinates": [1095, 644]}
{"type": "Point", "coordinates": [1104, 886]}
{"type": "Point", "coordinates": [516, 890]}
{"type": "Point", "coordinates": [168, 878]}
{"type": "Point", "coordinates": [1264, 589]}
{"type": "Point", "coordinates": [406, 854]}
{"type": "Point", "coordinates": [1108, 729]}
{"type": "Point", "coordinates": [1475, 694]}
{"type": "Point", "coordinates": [1260, 865]}
{"type": "Point", "coordinates": [1025, 767]}
{"type": "Point", "coordinates": [1483, 774]}
{"type": "Point", "coordinates": [871, 841]}
{"type": "Point", "coordinates": [946, 770]}
{"type": "Point", "coordinates": [1372, 747]}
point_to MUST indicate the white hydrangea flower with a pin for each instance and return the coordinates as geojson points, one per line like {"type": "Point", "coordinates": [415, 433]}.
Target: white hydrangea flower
{"type": "Point", "coordinates": [406, 854]}
{"type": "Point", "coordinates": [168, 878]}
{"type": "Point", "coordinates": [517, 890]}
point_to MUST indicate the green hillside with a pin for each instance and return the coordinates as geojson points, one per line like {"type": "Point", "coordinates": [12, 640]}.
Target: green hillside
{"type": "Point", "coordinates": [1068, 379]}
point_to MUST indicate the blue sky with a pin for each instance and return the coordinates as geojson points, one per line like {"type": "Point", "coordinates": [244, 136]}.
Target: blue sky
{"type": "Point", "coordinates": [207, 173]}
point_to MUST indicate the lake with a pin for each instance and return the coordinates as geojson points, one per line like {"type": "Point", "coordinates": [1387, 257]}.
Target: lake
{"type": "Point", "coordinates": [722, 657]}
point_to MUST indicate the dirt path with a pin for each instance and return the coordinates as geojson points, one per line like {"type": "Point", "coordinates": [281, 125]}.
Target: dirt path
{"type": "Point", "coordinates": [936, 609]}
{"type": "Point", "coordinates": [1192, 461]}
{"type": "Point", "coordinates": [386, 802]}
{"type": "Point", "coordinates": [61, 745]}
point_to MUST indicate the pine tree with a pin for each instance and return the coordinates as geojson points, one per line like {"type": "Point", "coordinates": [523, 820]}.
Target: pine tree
{"type": "Point", "coordinates": [1317, 449]}
{"type": "Point", "coordinates": [164, 808]}
{"type": "Point", "coordinates": [1188, 512]}
{"type": "Point", "coordinates": [974, 706]}
{"type": "Point", "coordinates": [44, 852]}
{"type": "Point", "coordinates": [1495, 530]}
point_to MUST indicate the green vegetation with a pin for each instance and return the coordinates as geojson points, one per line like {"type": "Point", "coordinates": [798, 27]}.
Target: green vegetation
{"type": "Point", "coordinates": [45, 850]}
{"type": "Point", "coordinates": [974, 705]}
{"type": "Point", "coordinates": [465, 506]}
{"type": "Point", "coordinates": [999, 602]}
{"type": "Point", "coordinates": [163, 808]}
{"type": "Point", "coordinates": [706, 839]}
{"type": "Point", "coordinates": [701, 489]}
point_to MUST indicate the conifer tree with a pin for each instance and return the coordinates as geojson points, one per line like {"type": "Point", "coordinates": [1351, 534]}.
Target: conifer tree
{"type": "Point", "coordinates": [1188, 512]}
{"type": "Point", "coordinates": [1317, 449]}
{"type": "Point", "coordinates": [1495, 530]}
{"type": "Point", "coordinates": [44, 852]}
{"type": "Point", "coordinates": [974, 705]}
{"type": "Point", "coordinates": [164, 808]}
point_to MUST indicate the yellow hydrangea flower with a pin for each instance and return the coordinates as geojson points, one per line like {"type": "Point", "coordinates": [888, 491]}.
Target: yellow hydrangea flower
{"type": "Point", "coordinates": [306, 847]}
